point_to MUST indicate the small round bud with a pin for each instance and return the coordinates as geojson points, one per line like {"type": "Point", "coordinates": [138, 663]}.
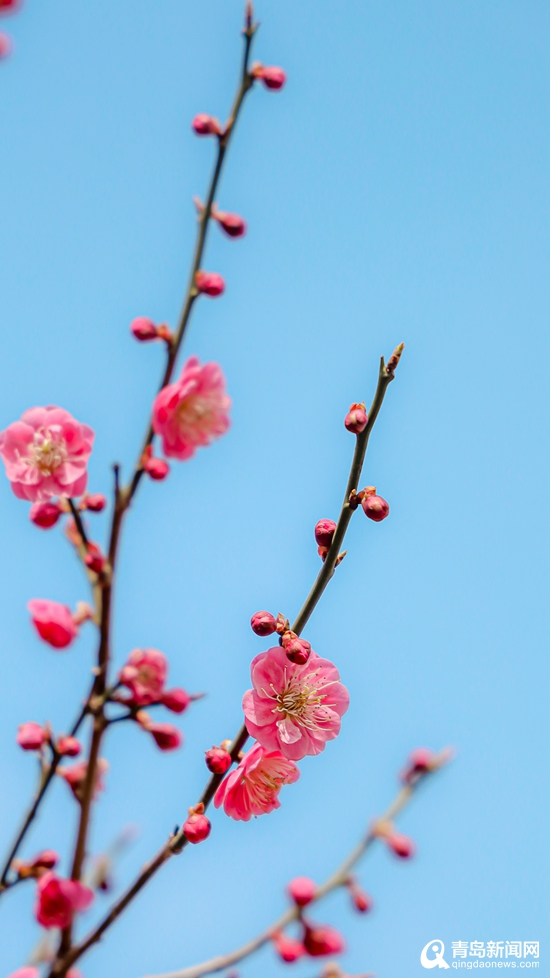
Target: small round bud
{"type": "Point", "coordinates": [361, 900]}
{"type": "Point", "coordinates": [176, 700]}
{"type": "Point", "coordinates": [156, 468]}
{"type": "Point", "coordinates": [95, 502]}
{"type": "Point", "coordinates": [205, 125]}
{"type": "Point", "coordinates": [263, 623]}
{"type": "Point", "coordinates": [320, 940]}
{"type": "Point", "coordinates": [165, 735]}
{"type": "Point", "coordinates": [45, 515]}
{"type": "Point", "coordinates": [197, 828]}
{"type": "Point", "coordinates": [143, 329]}
{"type": "Point", "coordinates": [401, 845]}
{"type": "Point", "coordinates": [301, 890]}
{"type": "Point", "coordinates": [297, 649]}
{"type": "Point", "coordinates": [375, 508]}
{"type": "Point", "coordinates": [69, 746]}
{"type": "Point", "coordinates": [324, 532]}
{"type": "Point", "coordinates": [31, 736]}
{"type": "Point", "coordinates": [419, 762]}
{"type": "Point", "coordinates": [271, 77]}
{"type": "Point", "coordinates": [218, 760]}
{"type": "Point", "coordinates": [210, 283]}
{"type": "Point", "coordinates": [44, 860]}
{"type": "Point", "coordinates": [356, 419]}
{"type": "Point", "coordinates": [232, 224]}
{"type": "Point", "coordinates": [288, 949]}
{"type": "Point", "coordinates": [94, 559]}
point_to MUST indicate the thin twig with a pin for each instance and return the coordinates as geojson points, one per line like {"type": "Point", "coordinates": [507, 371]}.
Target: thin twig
{"type": "Point", "coordinates": [338, 878]}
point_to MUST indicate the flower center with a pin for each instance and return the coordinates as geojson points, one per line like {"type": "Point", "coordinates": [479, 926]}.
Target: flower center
{"type": "Point", "coordinates": [47, 453]}
{"type": "Point", "coordinates": [191, 411]}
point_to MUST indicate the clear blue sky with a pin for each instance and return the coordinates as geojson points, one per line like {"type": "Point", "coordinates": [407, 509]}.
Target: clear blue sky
{"type": "Point", "coordinates": [396, 190]}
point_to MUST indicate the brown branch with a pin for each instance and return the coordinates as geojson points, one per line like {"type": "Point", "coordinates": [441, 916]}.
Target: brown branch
{"type": "Point", "coordinates": [339, 878]}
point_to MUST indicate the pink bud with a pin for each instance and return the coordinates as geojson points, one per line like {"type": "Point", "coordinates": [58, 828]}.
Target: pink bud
{"type": "Point", "coordinates": [210, 283]}
{"type": "Point", "coordinates": [156, 468]}
{"type": "Point", "coordinates": [95, 502]}
{"type": "Point", "coordinates": [324, 532]}
{"type": "Point", "coordinates": [176, 700]}
{"type": "Point", "coordinates": [232, 224]}
{"type": "Point", "coordinates": [356, 419]}
{"type": "Point", "coordinates": [263, 623]}
{"type": "Point", "coordinates": [218, 760]}
{"type": "Point", "coordinates": [143, 329]}
{"type": "Point", "coordinates": [401, 845]}
{"type": "Point", "coordinates": [375, 508]}
{"type": "Point", "coordinates": [69, 746]}
{"type": "Point", "coordinates": [94, 559]}
{"type": "Point", "coordinates": [206, 125]}
{"type": "Point", "coordinates": [197, 828]}
{"type": "Point", "coordinates": [271, 77]}
{"type": "Point", "coordinates": [31, 736]}
{"type": "Point", "coordinates": [53, 622]}
{"type": "Point", "coordinates": [320, 939]}
{"type": "Point", "coordinates": [165, 735]}
{"type": "Point", "coordinates": [5, 51]}
{"type": "Point", "coordinates": [302, 890]}
{"type": "Point", "coordinates": [45, 515]}
{"type": "Point", "coordinates": [297, 649]}
{"type": "Point", "coordinates": [287, 947]}
{"type": "Point", "coordinates": [361, 900]}
{"type": "Point", "coordinates": [46, 859]}
{"type": "Point", "coordinates": [420, 761]}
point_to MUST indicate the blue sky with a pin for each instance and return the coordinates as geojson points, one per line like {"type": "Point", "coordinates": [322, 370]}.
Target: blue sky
{"type": "Point", "coordinates": [395, 190]}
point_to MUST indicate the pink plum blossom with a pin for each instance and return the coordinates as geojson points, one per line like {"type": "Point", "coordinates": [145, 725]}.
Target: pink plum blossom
{"type": "Point", "coordinates": [46, 454]}
{"type": "Point", "coordinates": [58, 900]}
{"type": "Point", "coordinates": [53, 622]}
{"type": "Point", "coordinates": [193, 411]}
{"type": "Point", "coordinates": [253, 788]}
{"type": "Point", "coordinates": [294, 708]}
{"type": "Point", "coordinates": [145, 675]}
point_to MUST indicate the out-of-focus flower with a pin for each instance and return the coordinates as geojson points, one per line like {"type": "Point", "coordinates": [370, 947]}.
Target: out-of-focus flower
{"type": "Point", "coordinates": [361, 900]}
{"type": "Point", "coordinates": [294, 708]}
{"type": "Point", "coordinates": [46, 454]}
{"type": "Point", "coordinates": [5, 51]}
{"type": "Point", "coordinates": [42, 863]}
{"type": "Point", "coordinates": [301, 890]}
{"type": "Point", "coordinates": [9, 6]}
{"type": "Point", "coordinates": [58, 900]}
{"type": "Point", "coordinates": [319, 939]}
{"type": "Point", "coordinates": [210, 283]}
{"type": "Point", "coordinates": [233, 224]}
{"type": "Point", "coordinates": [75, 776]}
{"type": "Point", "coordinates": [356, 419]}
{"type": "Point", "coordinates": [253, 788]}
{"type": "Point", "coordinates": [401, 845]}
{"type": "Point", "coordinates": [193, 411]}
{"type": "Point", "coordinates": [144, 674]}
{"type": "Point", "coordinates": [205, 125]}
{"type": "Point", "coordinates": [28, 972]}
{"type": "Point", "coordinates": [197, 827]}
{"type": "Point", "coordinates": [288, 948]}
{"type": "Point", "coordinates": [45, 515]}
{"type": "Point", "coordinates": [53, 622]}
{"type": "Point", "coordinates": [218, 760]}
{"type": "Point", "coordinates": [32, 736]}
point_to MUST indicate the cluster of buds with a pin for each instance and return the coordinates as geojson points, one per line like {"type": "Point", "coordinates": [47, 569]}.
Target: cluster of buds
{"type": "Point", "coordinates": [263, 623]}
{"type": "Point", "coordinates": [33, 736]}
{"type": "Point", "coordinates": [316, 940]}
{"type": "Point", "coordinates": [197, 826]}
{"type": "Point", "coordinates": [374, 506]}
{"type": "Point", "coordinates": [156, 468]}
{"type": "Point", "coordinates": [46, 514]}
{"type": "Point", "coordinates": [218, 759]}
{"type": "Point", "coordinates": [55, 623]}
{"type": "Point", "coordinates": [145, 330]}
{"type": "Point", "coordinates": [7, 7]}
{"type": "Point", "coordinates": [36, 867]}
{"type": "Point", "coordinates": [144, 675]}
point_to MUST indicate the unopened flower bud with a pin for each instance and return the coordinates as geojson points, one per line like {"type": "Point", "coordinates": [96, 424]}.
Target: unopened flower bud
{"type": "Point", "coordinates": [156, 468]}
{"type": "Point", "coordinates": [324, 532]}
{"type": "Point", "coordinates": [420, 761]}
{"type": "Point", "coordinates": [320, 939]}
{"type": "Point", "coordinates": [218, 760]}
{"type": "Point", "coordinates": [165, 735]}
{"type": "Point", "coordinates": [36, 867]}
{"type": "Point", "coordinates": [95, 502]}
{"type": "Point", "coordinates": [394, 359]}
{"type": "Point", "coordinates": [205, 125]}
{"type": "Point", "coordinates": [288, 948]}
{"type": "Point", "coordinates": [232, 224]}
{"type": "Point", "coordinates": [301, 890]}
{"type": "Point", "coordinates": [94, 559]}
{"type": "Point", "coordinates": [297, 649]}
{"type": "Point", "coordinates": [143, 329]}
{"type": "Point", "coordinates": [269, 75]}
{"type": "Point", "coordinates": [356, 419]}
{"type": "Point", "coordinates": [53, 622]}
{"type": "Point", "coordinates": [375, 508]}
{"type": "Point", "coordinates": [361, 900]}
{"type": "Point", "coordinates": [31, 736]}
{"type": "Point", "coordinates": [69, 746]}
{"type": "Point", "coordinates": [263, 623]}
{"type": "Point", "coordinates": [45, 515]}
{"type": "Point", "coordinates": [210, 283]}
{"type": "Point", "coordinates": [197, 826]}
{"type": "Point", "coordinates": [176, 700]}
{"type": "Point", "coordinates": [401, 845]}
